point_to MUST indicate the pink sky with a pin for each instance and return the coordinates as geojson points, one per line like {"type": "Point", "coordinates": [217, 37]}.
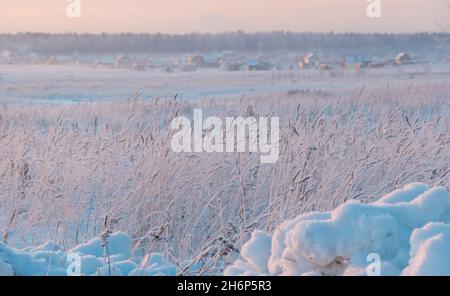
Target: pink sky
{"type": "Point", "coordinates": [181, 16]}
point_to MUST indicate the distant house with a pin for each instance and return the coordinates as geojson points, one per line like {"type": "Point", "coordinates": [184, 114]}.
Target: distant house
{"type": "Point", "coordinates": [139, 67]}
{"type": "Point", "coordinates": [205, 61]}
{"type": "Point", "coordinates": [232, 66]}
{"type": "Point", "coordinates": [311, 60]}
{"type": "Point", "coordinates": [258, 65]}
{"type": "Point", "coordinates": [402, 58]}
{"type": "Point", "coordinates": [123, 61]}
{"type": "Point", "coordinates": [324, 67]}
{"type": "Point", "coordinates": [197, 60]}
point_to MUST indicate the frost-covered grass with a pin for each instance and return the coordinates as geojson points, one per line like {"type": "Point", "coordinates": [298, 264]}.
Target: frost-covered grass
{"type": "Point", "coordinates": [65, 170]}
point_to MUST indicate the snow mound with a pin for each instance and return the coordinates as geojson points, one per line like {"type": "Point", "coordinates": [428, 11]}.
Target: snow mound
{"type": "Point", "coordinates": [94, 257]}
{"type": "Point", "coordinates": [430, 254]}
{"type": "Point", "coordinates": [405, 230]}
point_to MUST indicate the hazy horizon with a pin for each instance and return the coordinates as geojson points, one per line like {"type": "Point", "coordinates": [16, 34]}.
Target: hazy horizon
{"type": "Point", "coordinates": [210, 16]}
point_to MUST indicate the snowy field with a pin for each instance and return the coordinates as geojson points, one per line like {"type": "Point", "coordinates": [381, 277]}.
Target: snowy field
{"type": "Point", "coordinates": [87, 169]}
{"type": "Point", "coordinates": [67, 83]}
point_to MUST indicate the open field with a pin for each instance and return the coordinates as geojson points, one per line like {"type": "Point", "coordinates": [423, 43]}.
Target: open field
{"type": "Point", "coordinates": [67, 167]}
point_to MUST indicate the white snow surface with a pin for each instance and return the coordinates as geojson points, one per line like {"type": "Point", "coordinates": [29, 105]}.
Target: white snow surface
{"type": "Point", "coordinates": [49, 259]}
{"type": "Point", "coordinates": [408, 229]}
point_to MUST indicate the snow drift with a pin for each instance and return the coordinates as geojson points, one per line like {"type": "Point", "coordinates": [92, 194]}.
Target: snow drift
{"type": "Point", "coordinates": [94, 257]}
{"type": "Point", "coordinates": [406, 229]}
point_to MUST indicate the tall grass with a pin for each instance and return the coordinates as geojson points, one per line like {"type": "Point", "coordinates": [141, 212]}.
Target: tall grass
{"type": "Point", "coordinates": [65, 168]}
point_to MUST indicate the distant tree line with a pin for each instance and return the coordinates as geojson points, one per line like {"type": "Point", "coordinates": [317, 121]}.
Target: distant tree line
{"type": "Point", "coordinates": [69, 43]}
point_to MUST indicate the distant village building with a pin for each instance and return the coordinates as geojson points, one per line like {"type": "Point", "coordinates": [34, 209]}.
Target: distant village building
{"type": "Point", "coordinates": [402, 58]}
{"type": "Point", "coordinates": [311, 60]}
{"type": "Point", "coordinates": [206, 61]}
{"type": "Point", "coordinates": [232, 66]}
{"type": "Point", "coordinates": [197, 60]}
{"type": "Point", "coordinates": [324, 67]}
{"type": "Point", "coordinates": [139, 67]}
{"type": "Point", "coordinates": [123, 61]}
{"type": "Point", "coordinates": [258, 65]}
